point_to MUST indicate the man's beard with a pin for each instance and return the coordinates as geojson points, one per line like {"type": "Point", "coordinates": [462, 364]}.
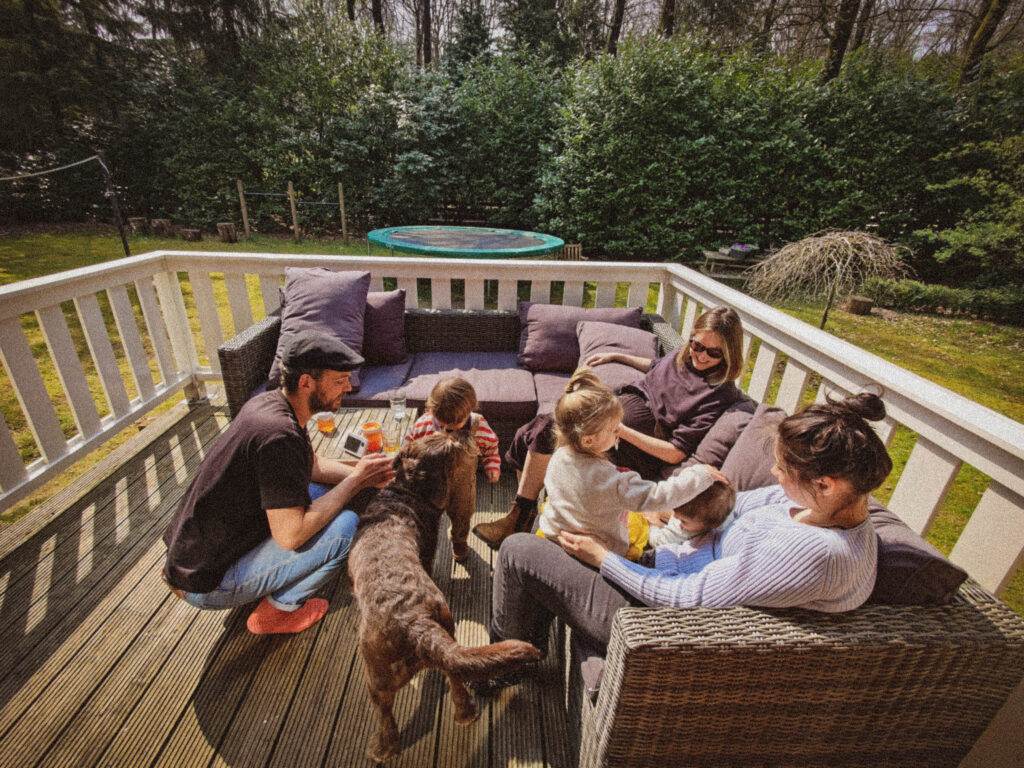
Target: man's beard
{"type": "Point", "coordinates": [316, 403]}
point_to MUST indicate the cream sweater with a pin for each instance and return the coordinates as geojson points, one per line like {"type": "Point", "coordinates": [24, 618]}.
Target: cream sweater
{"type": "Point", "coordinates": [589, 495]}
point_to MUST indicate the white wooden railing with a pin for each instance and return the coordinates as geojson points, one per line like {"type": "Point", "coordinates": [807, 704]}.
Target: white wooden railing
{"type": "Point", "coordinates": [950, 430]}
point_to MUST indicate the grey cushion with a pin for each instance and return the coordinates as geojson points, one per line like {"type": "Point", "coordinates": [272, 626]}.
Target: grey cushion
{"type": "Point", "coordinates": [750, 461]}
{"type": "Point", "coordinates": [720, 439]}
{"type": "Point", "coordinates": [505, 391]}
{"type": "Point", "coordinates": [547, 340]}
{"type": "Point", "coordinates": [550, 387]}
{"type": "Point", "coordinates": [384, 328]}
{"type": "Point", "coordinates": [910, 570]}
{"type": "Point", "coordinates": [378, 382]}
{"type": "Point", "coordinates": [326, 301]}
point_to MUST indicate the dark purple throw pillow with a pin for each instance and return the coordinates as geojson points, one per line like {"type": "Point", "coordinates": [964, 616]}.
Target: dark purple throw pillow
{"type": "Point", "coordinates": [384, 328]}
{"type": "Point", "coordinates": [547, 339]}
{"type": "Point", "coordinates": [322, 300]}
{"type": "Point", "coordinates": [596, 338]}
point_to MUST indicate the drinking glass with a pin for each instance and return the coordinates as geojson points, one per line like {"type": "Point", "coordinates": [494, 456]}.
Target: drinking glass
{"type": "Point", "coordinates": [325, 422]}
{"type": "Point", "coordinates": [398, 405]}
{"type": "Point", "coordinates": [393, 438]}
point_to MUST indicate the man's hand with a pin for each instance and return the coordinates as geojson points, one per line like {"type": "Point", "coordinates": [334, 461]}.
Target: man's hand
{"type": "Point", "coordinates": [583, 547]}
{"type": "Point", "coordinates": [373, 470]}
{"type": "Point", "coordinates": [601, 358]}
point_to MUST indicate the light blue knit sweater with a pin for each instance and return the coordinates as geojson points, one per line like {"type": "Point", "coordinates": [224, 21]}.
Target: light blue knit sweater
{"type": "Point", "coordinates": [763, 559]}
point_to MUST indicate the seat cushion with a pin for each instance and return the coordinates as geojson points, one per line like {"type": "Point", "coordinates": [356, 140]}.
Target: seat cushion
{"type": "Point", "coordinates": [550, 387]}
{"type": "Point", "coordinates": [379, 381]}
{"type": "Point", "coordinates": [504, 391]}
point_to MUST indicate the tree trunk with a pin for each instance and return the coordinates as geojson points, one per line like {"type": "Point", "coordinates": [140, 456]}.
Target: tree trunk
{"type": "Point", "coordinates": [377, 11]}
{"type": "Point", "coordinates": [840, 39]}
{"type": "Point", "coordinates": [765, 35]}
{"type": "Point", "coordinates": [863, 22]}
{"type": "Point", "coordinates": [992, 13]}
{"type": "Point", "coordinates": [428, 45]}
{"type": "Point", "coordinates": [350, 8]}
{"type": "Point", "coordinates": [667, 21]}
{"type": "Point", "coordinates": [616, 29]}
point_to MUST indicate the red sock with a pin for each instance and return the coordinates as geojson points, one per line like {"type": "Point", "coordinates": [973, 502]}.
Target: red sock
{"type": "Point", "coordinates": [268, 620]}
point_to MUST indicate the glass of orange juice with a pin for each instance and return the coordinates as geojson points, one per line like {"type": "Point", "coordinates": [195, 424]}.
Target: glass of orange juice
{"type": "Point", "coordinates": [374, 436]}
{"type": "Point", "coordinates": [325, 422]}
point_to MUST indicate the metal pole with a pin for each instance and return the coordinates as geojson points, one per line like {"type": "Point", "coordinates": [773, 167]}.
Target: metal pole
{"type": "Point", "coordinates": [341, 205]}
{"type": "Point", "coordinates": [245, 209]}
{"type": "Point", "coordinates": [111, 193]}
{"type": "Point", "coordinates": [295, 215]}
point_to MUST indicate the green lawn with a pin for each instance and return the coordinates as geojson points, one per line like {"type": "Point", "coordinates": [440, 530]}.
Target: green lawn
{"type": "Point", "coordinates": [980, 360]}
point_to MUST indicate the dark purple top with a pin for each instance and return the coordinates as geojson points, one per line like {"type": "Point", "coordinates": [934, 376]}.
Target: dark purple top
{"type": "Point", "coordinates": [262, 461]}
{"type": "Point", "coordinates": [683, 403]}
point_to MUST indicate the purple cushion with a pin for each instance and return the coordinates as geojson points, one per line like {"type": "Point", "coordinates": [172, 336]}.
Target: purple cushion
{"type": "Point", "coordinates": [910, 570]}
{"type": "Point", "coordinates": [378, 382]}
{"type": "Point", "coordinates": [384, 328]}
{"type": "Point", "coordinates": [547, 339]}
{"type": "Point", "coordinates": [714, 447]}
{"type": "Point", "coordinates": [505, 391]}
{"type": "Point", "coordinates": [749, 463]}
{"type": "Point", "coordinates": [322, 300]}
{"type": "Point", "coordinates": [598, 337]}
{"type": "Point", "coordinates": [550, 387]}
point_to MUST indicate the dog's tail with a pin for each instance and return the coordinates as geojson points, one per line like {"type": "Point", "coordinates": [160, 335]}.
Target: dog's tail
{"type": "Point", "coordinates": [470, 664]}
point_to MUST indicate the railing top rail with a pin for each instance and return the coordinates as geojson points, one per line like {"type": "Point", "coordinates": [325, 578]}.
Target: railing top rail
{"type": "Point", "coordinates": [791, 335]}
{"type": "Point", "coordinates": [36, 292]}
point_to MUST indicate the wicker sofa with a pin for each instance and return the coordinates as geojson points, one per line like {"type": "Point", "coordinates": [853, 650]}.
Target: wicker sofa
{"type": "Point", "coordinates": [880, 686]}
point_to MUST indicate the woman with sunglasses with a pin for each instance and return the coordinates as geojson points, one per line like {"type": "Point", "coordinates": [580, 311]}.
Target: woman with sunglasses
{"type": "Point", "coordinates": [665, 414]}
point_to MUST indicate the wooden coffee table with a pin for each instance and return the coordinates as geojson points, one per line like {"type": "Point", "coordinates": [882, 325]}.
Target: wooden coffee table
{"type": "Point", "coordinates": [349, 419]}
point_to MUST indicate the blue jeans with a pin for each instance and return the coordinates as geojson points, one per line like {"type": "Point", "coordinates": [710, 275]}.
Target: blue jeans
{"type": "Point", "coordinates": [286, 578]}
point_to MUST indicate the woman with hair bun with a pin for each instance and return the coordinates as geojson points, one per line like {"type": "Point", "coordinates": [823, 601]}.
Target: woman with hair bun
{"type": "Point", "coordinates": [805, 543]}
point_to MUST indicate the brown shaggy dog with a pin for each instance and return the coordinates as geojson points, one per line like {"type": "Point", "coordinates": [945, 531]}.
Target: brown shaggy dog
{"type": "Point", "coordinates": [405, 624]}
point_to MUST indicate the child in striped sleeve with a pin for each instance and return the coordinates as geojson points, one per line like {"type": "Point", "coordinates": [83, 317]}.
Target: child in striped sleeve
{"type": "Point", "coordinates": [450, 408]}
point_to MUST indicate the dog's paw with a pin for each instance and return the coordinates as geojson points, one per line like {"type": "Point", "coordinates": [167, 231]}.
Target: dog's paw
{"type": "Point", "coordinates": [468, 714]}
{"type": "Point", "coordinates": [382, 750]}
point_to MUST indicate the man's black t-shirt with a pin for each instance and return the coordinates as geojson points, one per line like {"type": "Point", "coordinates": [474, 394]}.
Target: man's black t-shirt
{"type": "Point", "coordinates": [262, 461]}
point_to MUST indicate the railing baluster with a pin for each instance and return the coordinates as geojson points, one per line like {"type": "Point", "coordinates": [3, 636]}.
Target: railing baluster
{"type": "Point", "coordinates": [172, 304]}
{"type": "Point", "coordinates": [507, 294]}
{"type": "Point", "coordinates": [12, 470]}
{"type": "Point", "coordinates": [28, 386]}
{"type": "Point", "coordinates": [923, 485]}
{"type": "Point", "coordinates": [376, 282]}
{"type": "Point", "coordinates": [209, 320]}
{"type": "Point", "coordinates": [157, 329]}
{"type": "Point", "coordinates": [991, 547]}
{"type": "Point", "coordinates": [98, 339]}
{"type": "Point", "coordinates": [689, 318]}
{"type": "Point", "coordinates": [747, 340]}
{"type": "Point", "coordinates": [270, 286]}
{"type": "Point", "coordinates": [669, 304]}
{"type": "Point", "coordinates": [408, 284]}
{"type": "Point", "coordinates": [637, 296]}
{"type": "Point", "coordinates": [69, 369]}
{"type": "Point", "coordinates": [764, 366]}
{"type": "Point", "coordinates": [540, 291]}
{"type": "Point", "coordinates": [238, 298]}
{"type": "Point", "coordinates": [605, 294]}
{"type": "Point", "coordinates": [791, 390]}
{"type": "Point", "coordinates": [474, 293]}
{"type": "Point", "coordinates": [441, 293]}
{"type": "Point", "coordinates": [124, 317]}
{"type": "Point", "coordinates": [572, 293]}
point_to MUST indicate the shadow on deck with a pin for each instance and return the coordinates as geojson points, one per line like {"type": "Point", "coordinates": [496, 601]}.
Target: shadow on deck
{"type": "Point", "coordinates": [100, 665]}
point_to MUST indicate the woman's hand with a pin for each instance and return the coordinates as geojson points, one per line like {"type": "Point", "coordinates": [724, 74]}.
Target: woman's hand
{"type": "Point", "coordinates": [583, 547]}
{"type": "Point", "coordinates": [601, 358]}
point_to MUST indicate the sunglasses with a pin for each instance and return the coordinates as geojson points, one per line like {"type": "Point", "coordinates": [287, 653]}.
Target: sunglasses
{"type": "Point", "coordinates": [713, 352]}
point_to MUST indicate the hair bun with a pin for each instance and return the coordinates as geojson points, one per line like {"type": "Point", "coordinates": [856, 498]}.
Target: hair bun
{"type": "Point", "coordinates": [867, 405]}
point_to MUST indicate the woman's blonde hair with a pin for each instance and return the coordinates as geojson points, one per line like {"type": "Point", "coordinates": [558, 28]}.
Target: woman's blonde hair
{"type": "Point", "coordinates": [451, 400]}
{"type": "Point", "coordinates": [727, 324]}
{"type": "Point", "coordinates": [586, 407]}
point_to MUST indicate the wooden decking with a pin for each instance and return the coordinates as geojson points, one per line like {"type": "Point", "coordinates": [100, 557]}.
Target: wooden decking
{"type": "Point", "coordinates": [100, 665]}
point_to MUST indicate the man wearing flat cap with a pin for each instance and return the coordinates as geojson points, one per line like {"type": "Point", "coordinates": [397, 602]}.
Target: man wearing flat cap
{"type": "Point", "coordinates": [249, 527]}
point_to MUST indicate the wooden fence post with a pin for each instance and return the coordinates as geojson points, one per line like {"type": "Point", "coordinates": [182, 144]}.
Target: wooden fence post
{"type": "Point", "coordinates": [295, 215]}
{"type": "Point", "coordinates": [341, 205]}
{"type": "Point", "coordinates": [245, 210]}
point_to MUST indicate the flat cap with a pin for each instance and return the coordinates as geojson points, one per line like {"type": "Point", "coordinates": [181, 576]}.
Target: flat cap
{"type": "Point", "coordinates": [310, 349]}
